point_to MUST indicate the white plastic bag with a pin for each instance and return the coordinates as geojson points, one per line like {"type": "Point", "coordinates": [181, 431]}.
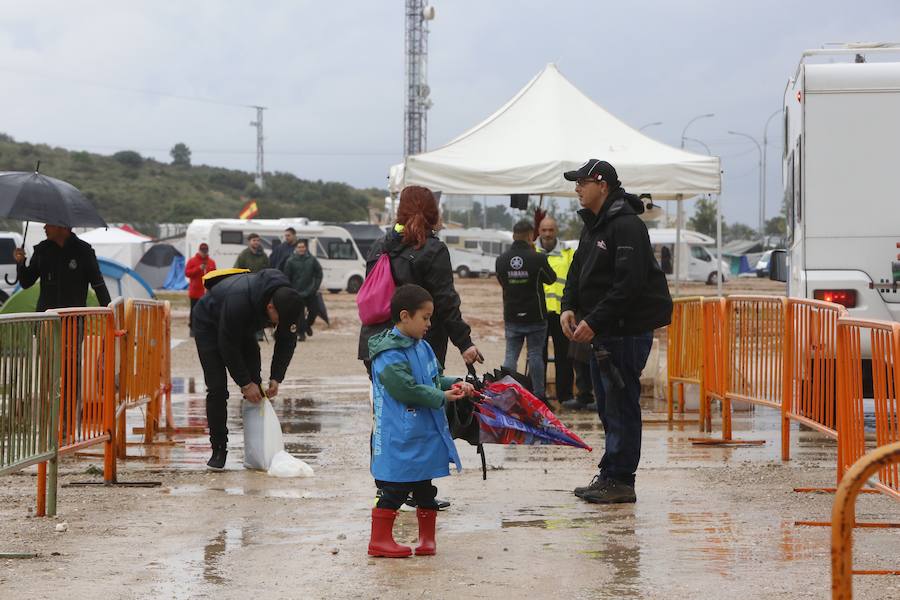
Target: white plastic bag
{"type": "Point", "coordinates": [264, 445]}
{"type": "Point", "coordinates": [285, 465]}
{"type": "Point", "coordinates": [262, 435]}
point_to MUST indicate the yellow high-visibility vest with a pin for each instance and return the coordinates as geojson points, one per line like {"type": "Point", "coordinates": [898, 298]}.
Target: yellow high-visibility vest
{"type": "Point", "coordinates": [560, 260]}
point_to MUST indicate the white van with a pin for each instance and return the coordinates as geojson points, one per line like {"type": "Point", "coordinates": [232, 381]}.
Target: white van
{"type": "Point", "coordinates": [9, 241]}
{"type": "Point", "coordinates": [474, 251]}
{"type": "Point", "coordinates": [840, 176]}
{"type": "Point", "coordinates": [697, 249]}
{"type": "Point", "coordinates": [343, 266]}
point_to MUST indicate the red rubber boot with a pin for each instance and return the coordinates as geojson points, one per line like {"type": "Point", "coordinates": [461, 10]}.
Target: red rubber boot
{"type": "Point", "coordinates": [427, 518]}
{"type": "Point", "coordinates": [382, 543]}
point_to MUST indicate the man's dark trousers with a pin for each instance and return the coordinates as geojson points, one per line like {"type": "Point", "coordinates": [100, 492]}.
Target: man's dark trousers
{"type": "Point", "coordinates": [620, 408]}
{"type": "Point", "coordinates": [215, 376]}
{"type": "Point", "coordinates": [561, 359]}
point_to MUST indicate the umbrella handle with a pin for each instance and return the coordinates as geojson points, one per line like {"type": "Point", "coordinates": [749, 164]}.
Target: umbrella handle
{"type": "Point", "coordinates": [8, 282]}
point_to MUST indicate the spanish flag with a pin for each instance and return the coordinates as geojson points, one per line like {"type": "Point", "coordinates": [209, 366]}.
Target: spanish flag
{"type": "Point", "coordinates": [249, 211]}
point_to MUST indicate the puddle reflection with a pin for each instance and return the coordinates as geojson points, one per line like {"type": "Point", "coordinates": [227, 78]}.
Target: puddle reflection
{"type": "Point", "coordinates": [227, 539]}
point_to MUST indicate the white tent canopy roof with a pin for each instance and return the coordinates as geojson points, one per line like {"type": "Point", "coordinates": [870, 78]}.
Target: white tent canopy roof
{"type": "Point", "coordinates": [548, 128]}
{"type": "Point", "coordinates": [117, 244]}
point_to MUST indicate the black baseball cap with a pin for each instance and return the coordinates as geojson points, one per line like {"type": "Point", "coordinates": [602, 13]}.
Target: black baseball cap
{"type": "Point", "coordinates": [596, 169]}
{"type": "Point", "coordinates": [289, 305]}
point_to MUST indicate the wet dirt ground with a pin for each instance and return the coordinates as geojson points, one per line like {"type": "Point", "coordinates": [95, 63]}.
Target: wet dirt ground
{"type": "Point", "coordinates": [710, 522]}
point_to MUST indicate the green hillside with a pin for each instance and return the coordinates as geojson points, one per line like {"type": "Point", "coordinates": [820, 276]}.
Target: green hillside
{"type": "Point", "coordinates": [126, 187]}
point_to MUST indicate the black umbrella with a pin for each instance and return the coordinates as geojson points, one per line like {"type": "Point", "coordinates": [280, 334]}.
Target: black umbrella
{"type": "Point", "coordinates": [35, 197]}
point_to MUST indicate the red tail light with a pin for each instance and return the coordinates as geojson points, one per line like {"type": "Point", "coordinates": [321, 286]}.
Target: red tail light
{"type": "Point", "coordinates": [846, 298]}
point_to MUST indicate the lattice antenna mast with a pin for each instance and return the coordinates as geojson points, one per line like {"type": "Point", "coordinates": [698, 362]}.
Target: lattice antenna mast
{"type": "Point", "coordinates": [415, 123]}
{"type": "Point", "coordinates": [258, 123]}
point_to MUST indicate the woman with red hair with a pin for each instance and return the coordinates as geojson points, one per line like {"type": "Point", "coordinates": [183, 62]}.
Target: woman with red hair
{"type": "Point", "coordinates": [419, 257]}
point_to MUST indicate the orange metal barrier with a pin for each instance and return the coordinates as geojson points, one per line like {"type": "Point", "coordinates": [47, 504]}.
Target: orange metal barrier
{"type": "Point", "coordinates": [144, 364]}
{"type": "Point", "coordinates": [811, 373]}
{"type": "Point", "coordinates": [884, 338]}
{"type": "Point", "coordinates": [843, 516]}
{"type": "Point", "coordinates": [684, 357]}
{"type": "Point", "coordinates": [87, 384]}
{"type": "Point", "coordinates": [713, 379]}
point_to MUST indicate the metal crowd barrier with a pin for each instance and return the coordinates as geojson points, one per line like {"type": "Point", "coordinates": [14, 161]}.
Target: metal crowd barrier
{"type": "Point", "coordinates": [684, 356]}
{"type": "Point", "coordinates": [144, 367]}
{"type": "Point", "coordinates": [713, 379]}
{"type": "Point", "coordinates": [884, 338]}
{"type": "Point", "coordinates": [87, 384]}
{"type": "Point", "coordinates": [811, 373]}
{"type": "Point", "coordinates": [29, 399]}
{"type": "Point", "coordinates": [843, 516]}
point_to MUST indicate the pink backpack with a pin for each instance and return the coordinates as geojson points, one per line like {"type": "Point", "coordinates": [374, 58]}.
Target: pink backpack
{"type": "Point", "coordinates": [374, 297]}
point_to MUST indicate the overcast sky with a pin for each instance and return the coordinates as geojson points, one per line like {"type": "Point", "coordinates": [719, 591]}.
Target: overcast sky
{"type": "Point", "coordinates": [332, 74]}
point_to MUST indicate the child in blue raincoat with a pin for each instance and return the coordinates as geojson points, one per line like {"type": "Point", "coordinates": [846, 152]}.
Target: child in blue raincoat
{"type": "Point", "coordinates": [411, 443]}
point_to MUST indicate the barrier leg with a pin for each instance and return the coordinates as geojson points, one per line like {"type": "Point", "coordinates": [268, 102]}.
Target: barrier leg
{"type": "Point", "coordinates": [681, 398]}
{"type": "Point", "coordinates": [670, 396]}
{"type": "Point", "coordinates": [41, 508]}
{"type": "Point", "coordinates": [52, 485]}
{"type": "Point", "coordinates": [726, 439]}
{"type": "Point", "coordinates": [785, 434]}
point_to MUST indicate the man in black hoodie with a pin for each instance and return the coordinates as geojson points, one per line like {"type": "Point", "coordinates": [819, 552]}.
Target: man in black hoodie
{"type": "Point", "coordinates": [522, 273]}
{"type": "Point", "coordinates": [615, 296]}
{"type": "Point", "coordinates": [225, 322]}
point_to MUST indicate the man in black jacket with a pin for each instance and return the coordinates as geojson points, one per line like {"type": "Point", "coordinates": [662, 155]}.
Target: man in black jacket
{"type": "Point", "coordinates": [615, 296]}
{"type": "Point", "coordinates": [225, 321]}
{"type": "Point", "coordinates": [522, 273]}
{"type": "Point", "coordinates": [285, 250]}
{"type": "Point", "coordinates": [66, 265]}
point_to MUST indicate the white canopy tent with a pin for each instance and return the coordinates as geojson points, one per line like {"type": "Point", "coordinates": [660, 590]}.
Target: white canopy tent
{"type": "Point", "coordinates": [117, 244]}
{"type": "Point", "coordinates": [548, 128]}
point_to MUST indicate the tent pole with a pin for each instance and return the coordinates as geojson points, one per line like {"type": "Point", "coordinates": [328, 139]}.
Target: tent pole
{"type": "Point", "coordinates": [678, 216]}
{"type": "Point", "coordinates": [719, 243]}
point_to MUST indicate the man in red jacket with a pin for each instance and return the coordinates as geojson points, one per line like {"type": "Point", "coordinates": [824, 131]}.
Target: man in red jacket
{"type": "Point", "coordinates": [199, 265]}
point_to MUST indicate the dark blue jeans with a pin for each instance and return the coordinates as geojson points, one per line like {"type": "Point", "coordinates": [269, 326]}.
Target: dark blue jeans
{"type": "Point", "coordinates": [619, 408]}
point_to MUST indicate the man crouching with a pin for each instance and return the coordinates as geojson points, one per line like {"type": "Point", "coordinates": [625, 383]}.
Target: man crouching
{"type": "Point", "coordinates": [225, 321]}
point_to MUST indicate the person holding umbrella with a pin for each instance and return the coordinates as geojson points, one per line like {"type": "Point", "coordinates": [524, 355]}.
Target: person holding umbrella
{"type": "Point", "coordinates": [66, 265]}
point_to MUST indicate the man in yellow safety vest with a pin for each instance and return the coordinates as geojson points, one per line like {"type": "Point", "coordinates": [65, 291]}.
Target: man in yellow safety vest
{"type": "Point", "coordinates": [560, 259]}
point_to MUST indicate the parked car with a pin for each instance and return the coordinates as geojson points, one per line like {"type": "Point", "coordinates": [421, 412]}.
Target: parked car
{"type": "Point", "coordinates": [762, 265]}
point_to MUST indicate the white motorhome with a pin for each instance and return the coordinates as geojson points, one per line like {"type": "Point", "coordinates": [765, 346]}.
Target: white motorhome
{"type": "Point", "coordinates": [475, 250]}
{"type": "Point", "coordinates": [698, 250]}
{"type": "Point", "coordinates": [9, 241]}
{"type": "Point", "coordinates": [841, 180]}
{"type": "Point", "coordinates": [343, 266]}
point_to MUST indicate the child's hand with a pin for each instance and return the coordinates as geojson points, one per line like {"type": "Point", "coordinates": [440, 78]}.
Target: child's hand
{"type": "Point", "coordinates": [454, 393]}
{"type": "Point", "coordinates": [467, 388]}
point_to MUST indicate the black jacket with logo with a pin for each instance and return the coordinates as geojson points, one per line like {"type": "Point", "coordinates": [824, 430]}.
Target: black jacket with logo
{"type": "Point", "coordinates": [65, 273]}
{"type": "Point", "coordinates": [228, 317]}
{"type": "Point", "coordinates": [522, 273]}
{"type": "Point", "coordinates": [615, 283]}
{"type": "Point", "coordinates": [429, 267]}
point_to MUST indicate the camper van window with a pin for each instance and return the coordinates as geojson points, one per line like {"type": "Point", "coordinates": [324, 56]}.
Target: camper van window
{"type": "Point", "coordinates": [451, 240]}
{"type": "Point", "coordinates": [233, 237]}
{"type": "Point", "coordinates": [7, 249]}
{"type": "Point", "coordinates": [321, 252]}
{"type": "Point", "coordinates": [789, 197]}
{"type": "Point", "coordinates": [798, 179]}
{"type": "Point", "coordinates": [471, 244]}
{"type": "Point", "coordinates": [341, 250]}
{"type": "Point", "coordinates": [700, 253]}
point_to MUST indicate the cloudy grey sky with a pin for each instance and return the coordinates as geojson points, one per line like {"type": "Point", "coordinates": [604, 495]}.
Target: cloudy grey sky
{"type": "Point", "coordinates": [331, 73]}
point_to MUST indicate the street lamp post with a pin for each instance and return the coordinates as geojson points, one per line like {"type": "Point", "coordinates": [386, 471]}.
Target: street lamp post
{"type": "Point", "coordinates": [760, 166]}
{"type": "Point", "coordinates": [765, 145]}
{"type": "Point", "coordinates": [718, 224]}
{"type": "Point", "coordinates": [679, 214]}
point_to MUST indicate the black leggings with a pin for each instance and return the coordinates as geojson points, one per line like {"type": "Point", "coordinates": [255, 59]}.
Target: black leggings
{"type": "Point", "coordinates": [393, 494]}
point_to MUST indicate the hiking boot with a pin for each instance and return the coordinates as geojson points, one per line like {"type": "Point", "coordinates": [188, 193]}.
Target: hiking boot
{"type": "Point", "coordinates": [217, 460]}
{"type": "Point", "coordinates": [612, 492]}
{"type": "Point", "coordinates": [572, 404]}
{"type": "Point", "coordinates": [596, 483]}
